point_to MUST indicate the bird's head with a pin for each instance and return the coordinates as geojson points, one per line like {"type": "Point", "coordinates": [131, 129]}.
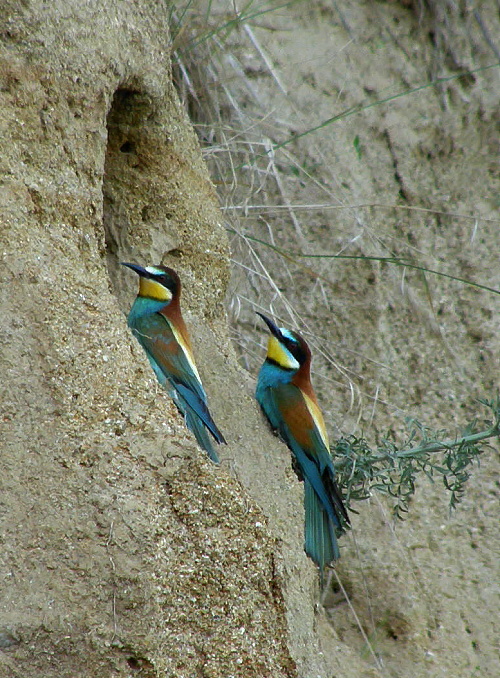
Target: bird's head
{"type": "Point", "coordinates": [285, 348]}
{"type": "Point", "coordinates": [157, 282]}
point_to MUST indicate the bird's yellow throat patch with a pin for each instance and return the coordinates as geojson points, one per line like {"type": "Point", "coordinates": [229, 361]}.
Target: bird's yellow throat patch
{"type": "Point", "coordinates": [279, 354]}
{"type": "Point", "coordinates": [153, 290]}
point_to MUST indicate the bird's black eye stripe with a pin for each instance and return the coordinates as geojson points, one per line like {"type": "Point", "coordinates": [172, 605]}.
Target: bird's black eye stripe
{"type": "Point", "coordinates": [293, 345]}
{"type": "Point", "coordinates": [167, 282]}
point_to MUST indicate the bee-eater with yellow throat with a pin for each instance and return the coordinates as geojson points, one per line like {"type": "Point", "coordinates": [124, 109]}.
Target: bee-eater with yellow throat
{"type": "Point", "coordinates": [157, 323]}
{"type": "Point", "coordinates": [286, 396]}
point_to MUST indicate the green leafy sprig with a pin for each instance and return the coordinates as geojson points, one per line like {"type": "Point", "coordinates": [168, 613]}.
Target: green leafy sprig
{"type": "Point", "coordinates": [362, 470]}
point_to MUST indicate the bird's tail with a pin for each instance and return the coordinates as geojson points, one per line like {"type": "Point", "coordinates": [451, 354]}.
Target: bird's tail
{"type": "Point", "coordinates": [195, 424]}
{"type": "Point", "coordinates": [320, 540]}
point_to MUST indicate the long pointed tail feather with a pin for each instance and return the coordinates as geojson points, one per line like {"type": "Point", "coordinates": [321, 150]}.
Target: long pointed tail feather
{"type": "Point", "coordinates": [195, 424]}
{"type": "Point", "coordinates": [200, 409]}
{"type": "Point", "coordinates": [320, 540]}
{"type": "Point", "coordinates": [336, 499]}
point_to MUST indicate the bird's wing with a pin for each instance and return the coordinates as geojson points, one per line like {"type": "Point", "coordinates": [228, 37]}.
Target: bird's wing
{"type": "Point", "coordinates": [158, 340]}
{"type": "Point", "coordinates": [302, 425]}
{"type": "Point", "coordinates": [174, 365]}
{"type": "Point", "coordinates": [289, 413]}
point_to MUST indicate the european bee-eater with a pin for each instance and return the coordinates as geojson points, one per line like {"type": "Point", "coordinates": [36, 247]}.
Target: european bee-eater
{"type": "Point", "coordinates": [287, 398]}
{"type": "Point", "coordinates": [156, 321]}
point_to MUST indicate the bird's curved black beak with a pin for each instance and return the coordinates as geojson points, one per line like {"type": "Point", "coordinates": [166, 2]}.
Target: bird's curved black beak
{"type": "Point", "coordinates": [274, 329]}
{"type": "Point", "coordinates": [138, 269]}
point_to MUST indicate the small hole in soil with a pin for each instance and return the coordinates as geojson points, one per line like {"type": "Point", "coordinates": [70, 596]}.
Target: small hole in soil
{"type": "Point", "coordinates": [127, 147]}
{"type": "Point", "coordinates": [175, 252]}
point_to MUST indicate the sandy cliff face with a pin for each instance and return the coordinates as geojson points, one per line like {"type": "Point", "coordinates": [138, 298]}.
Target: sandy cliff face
{"type": "Point", "coordinates": [124, 550]}
{"type": "Point", "coordinates": [119, 537]}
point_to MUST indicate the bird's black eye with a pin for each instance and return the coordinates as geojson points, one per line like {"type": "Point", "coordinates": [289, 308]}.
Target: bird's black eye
{"type": "Point", "coordinates": [293, 345]}
{"type": "Point", "coordinates": [167, 282]}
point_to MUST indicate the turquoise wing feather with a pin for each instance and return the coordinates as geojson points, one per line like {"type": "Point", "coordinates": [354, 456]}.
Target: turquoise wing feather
{"type": "Point", "coordinates": [175, 373]}
{"type": "Point", "coordinates": [312, 456]}
{"type": "Point", "coordinates": [156, 337]}
{"type": "Point", "coordinates": [284, 406]}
